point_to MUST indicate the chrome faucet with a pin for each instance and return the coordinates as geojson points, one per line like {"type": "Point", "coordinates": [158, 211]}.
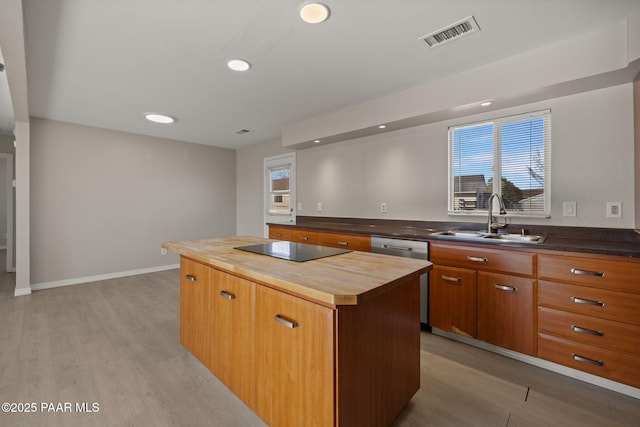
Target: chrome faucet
{"type": "Point", "coordinates": [492, 227]}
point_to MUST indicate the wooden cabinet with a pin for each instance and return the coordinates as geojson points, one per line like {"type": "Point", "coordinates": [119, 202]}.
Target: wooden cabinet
{"type": "Point", "coordinates": [295, 360]}
{"type": "Point", "coordinates": [194, 296]}
{"type": "Point", "coordinates": [279, 233]}
{"type": "Point", "coordinates": [484, 293]}
{"type": "Point", "coordinates": [452, 298]}
{"type": "Point", "coordinates": [588, 315]}
{"type": "Point", "coordinates": [506, 311]}
{"type": "Point", "coordinates": [231, 324]}
{"type": "Point", "coordinates": [356, 242]}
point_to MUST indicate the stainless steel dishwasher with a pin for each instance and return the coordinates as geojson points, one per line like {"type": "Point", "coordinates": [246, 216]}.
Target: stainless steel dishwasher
{"type": "Point", "coordinates": [408, 249]}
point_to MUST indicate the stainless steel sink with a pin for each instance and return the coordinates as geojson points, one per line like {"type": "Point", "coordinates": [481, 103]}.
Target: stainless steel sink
{"type": "Point", "coordinates": [493, 237]}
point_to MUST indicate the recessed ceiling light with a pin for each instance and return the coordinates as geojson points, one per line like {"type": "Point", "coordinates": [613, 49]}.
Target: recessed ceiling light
{"type": "Point", "coordinates": [317, 141]}
{"type": "Point", "coordinates": [238, 65]}
{"type": "Point", "coordinates": [382, 127]}
{"type": "Point", "coordinates": [159, 118]}
{"type": "Point", "coordinates": [486, 103]}
{"type": "Point", "coordinates": [314, 13]}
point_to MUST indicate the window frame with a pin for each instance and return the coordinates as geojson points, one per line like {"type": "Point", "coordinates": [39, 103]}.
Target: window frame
{"type": "Point", "coordinates": [496, 123]}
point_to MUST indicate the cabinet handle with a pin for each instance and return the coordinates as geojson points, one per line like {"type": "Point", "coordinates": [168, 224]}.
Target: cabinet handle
{"type": "Point", "coordinates": [227, 295]}
{"type": "Point", "coordinates": [587, 301]}
{"type": "Point", "coordinates": [587, 272]}
{"type": "Point", "coordinates": [279, 235]}
{"type": "Point", "coordinates": [304, 238]}
{"type": "Point", "coordinates": [477, 259]}
{"type": "Point", "coordinates": [587, 360]}
{"type": "Point", "coordinates": [284, 322]}
{"type": "Point", "coordinates": [451, 279]}
{"type": "Point", "coordinates": [343, 243]}
{"type": "Point", "coordinates": [190, 278]}
{"type": "Point", "coordinates": [575, 328]}
{"type": "Point", "coordinates": [505, 288]}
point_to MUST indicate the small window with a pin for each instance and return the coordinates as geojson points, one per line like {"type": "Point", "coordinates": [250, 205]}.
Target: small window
{"type": "Point", "coordinates": [509, 156]}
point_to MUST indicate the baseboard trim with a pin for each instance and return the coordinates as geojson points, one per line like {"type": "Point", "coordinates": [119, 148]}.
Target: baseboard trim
{"type": "Point", "coordinates": [97, 278]}
{"type": "Point", "coordinates": [544, 364]}
{"type": "Point", "coordinates": [22, 292]}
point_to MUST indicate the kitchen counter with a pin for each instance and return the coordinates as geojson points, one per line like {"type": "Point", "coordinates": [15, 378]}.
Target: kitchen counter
{"type": "Point", "coordinates": [303, 343]}
{"type": "Point", "coordinates": [344, 279]}
{"type": "Point", "coordinates": [605, 241]}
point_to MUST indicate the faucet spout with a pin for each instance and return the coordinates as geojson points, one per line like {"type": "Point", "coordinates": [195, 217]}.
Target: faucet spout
{"type": "Point", "coordinates": [492, 227]}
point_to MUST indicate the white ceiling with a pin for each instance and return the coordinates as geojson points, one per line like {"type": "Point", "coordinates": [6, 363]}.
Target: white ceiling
{"type": "Point", "coordinates": [104, 63]}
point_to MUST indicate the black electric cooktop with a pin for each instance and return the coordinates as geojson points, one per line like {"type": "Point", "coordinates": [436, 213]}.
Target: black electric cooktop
{"type": "Point", "coordinates": [292, 251]}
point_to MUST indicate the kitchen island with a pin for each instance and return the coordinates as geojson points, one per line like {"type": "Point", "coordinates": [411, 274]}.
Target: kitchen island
{"type": "Point", "coordinates": [328, 342]}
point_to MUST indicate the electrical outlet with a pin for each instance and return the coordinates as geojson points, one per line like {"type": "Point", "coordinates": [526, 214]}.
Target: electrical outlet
{"type": "Point", "coordinates": [569, 209]}
{"type": "Point", "coordinates": [614, 209]}
{"type": "Point", "coordinates": [319, 207]}
{"type": "Point", "coordinates": [383, 208]}
{"type": "Point", "coordinates": [163, 251]}
{"type": "Point", "coordinates": [299, 206]}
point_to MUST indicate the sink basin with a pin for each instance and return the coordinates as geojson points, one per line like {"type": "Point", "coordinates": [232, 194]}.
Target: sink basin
{"type": "Point", "coordinates": [483, 236]}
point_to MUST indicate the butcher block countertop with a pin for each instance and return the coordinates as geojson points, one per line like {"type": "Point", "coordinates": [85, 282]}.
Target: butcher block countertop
{"type": "Point", "coordinates": [344, 279]}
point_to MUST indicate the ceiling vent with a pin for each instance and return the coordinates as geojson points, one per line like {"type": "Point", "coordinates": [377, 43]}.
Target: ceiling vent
{"type": "Point", "coordinates": [242, 131]}
{"type": "Point", "coordinates": [450, 33]}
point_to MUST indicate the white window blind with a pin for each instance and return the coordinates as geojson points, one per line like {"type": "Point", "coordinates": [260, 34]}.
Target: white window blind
{"type": "Point", "coordinates": [517, 149]}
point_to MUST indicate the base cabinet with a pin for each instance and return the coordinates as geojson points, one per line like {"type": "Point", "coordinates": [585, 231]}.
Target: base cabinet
{"type": "Point", "coordinates": [194, 310]}
{"type": "Point", "coordinates": [506, 311]}
{"type": "Point", "coordinates": [452, 296]}
{"type": "Point", "coordinates": [295, 360]}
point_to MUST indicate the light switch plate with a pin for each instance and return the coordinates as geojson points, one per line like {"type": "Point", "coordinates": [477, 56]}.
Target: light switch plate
{"type": "Point", "coordinates": [569, 209]}
{"type": "Point", "coordinates": [614, 209]}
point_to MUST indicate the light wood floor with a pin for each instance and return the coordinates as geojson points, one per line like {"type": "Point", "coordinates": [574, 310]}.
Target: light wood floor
{"type": "Point", "coordinates": [116, 343]}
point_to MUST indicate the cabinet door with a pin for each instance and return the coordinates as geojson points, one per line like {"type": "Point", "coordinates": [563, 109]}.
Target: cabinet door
{"type": "Point", "coordinates": [295, 360]}
{"type": "Point", "coordinates": [452, 300]}
{"type": "Point", "coordinates": [232, 326]}
{"type": "Point", "coordinates": [505, 311]}
{"type": "Point", "coordinates": [194, 297]}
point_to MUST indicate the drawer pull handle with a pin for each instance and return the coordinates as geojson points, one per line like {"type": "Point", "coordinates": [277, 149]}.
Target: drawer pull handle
{"type": "Point", "coordinates": [279, 235]}
{"type": "Point", "coordinates": [477, 259]}
{"type": "Point", "coordinates": [451, 279]}
{"type": "Point", "coordinates": [587, 301]}
{"type": "Point", "coordinates": [587, 360]}
{"type": "Point", "coordinates": [304, 238]}
{"type": "Point", "coordinates": [227, 295]}
{"type": "Point", "coordinates": [505, 288]}
{"type": "Point", "coordinates": [288, 323]}
{"type": "Point", "coordinates": [343, 243]}
{"type": "Point", "coordinates": [587, 272]}
{"type": "Point", "coordinates": [575, 328]}
{"type": "Point", "coordinates": [190, 277]}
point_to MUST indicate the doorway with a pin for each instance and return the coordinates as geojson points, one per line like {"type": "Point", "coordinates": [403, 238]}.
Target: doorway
{"type": "Point", "coordinates": [7, 225]}
{"type": "Point", "coordinates": [280, 189]}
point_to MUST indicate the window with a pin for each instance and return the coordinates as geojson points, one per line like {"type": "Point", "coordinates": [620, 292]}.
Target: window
{"type": "Point", "coordinates": [516, 149]}
{"type": "Point", "coordinates": [279, 194]}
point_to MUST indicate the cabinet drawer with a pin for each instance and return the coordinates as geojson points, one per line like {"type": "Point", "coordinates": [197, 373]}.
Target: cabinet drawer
{"type": "Point", "coordinates": [279, 233]}
{"type": "Point", "coordinates": [608, 364]}
{"type": "Point", "coordinates": [590, 330]}
{"type": "Point", "coordinates": [503, 261]}
{"type": "Point", "coordinates": [616, 275]}
{"type": "Point", "coordinates": [346, 241]}
{"type": "Point", "coordinates": [305, 236]}
{"type": "Point", "coordinates": [601, 303]}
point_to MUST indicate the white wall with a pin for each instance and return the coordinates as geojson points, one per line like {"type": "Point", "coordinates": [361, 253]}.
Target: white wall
{"type": "Point", "coordinates": [103, 201]}
{"type": "Point", "coordinates": [592, 163]}
{"type": "Point", "coordinates": [249, 186]}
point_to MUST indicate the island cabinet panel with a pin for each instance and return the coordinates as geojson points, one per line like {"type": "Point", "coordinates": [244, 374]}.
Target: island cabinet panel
{"type": "Point", "coordinates": [194, 310]}
{"type": "Point", "coordinates": [231, 324]}
{"type": "Point", "coordinates": [506, 311]}
{"type": "Point", "coordinates": [295, 358]}
{"type": "Point", "coordinates": [452, 298]}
